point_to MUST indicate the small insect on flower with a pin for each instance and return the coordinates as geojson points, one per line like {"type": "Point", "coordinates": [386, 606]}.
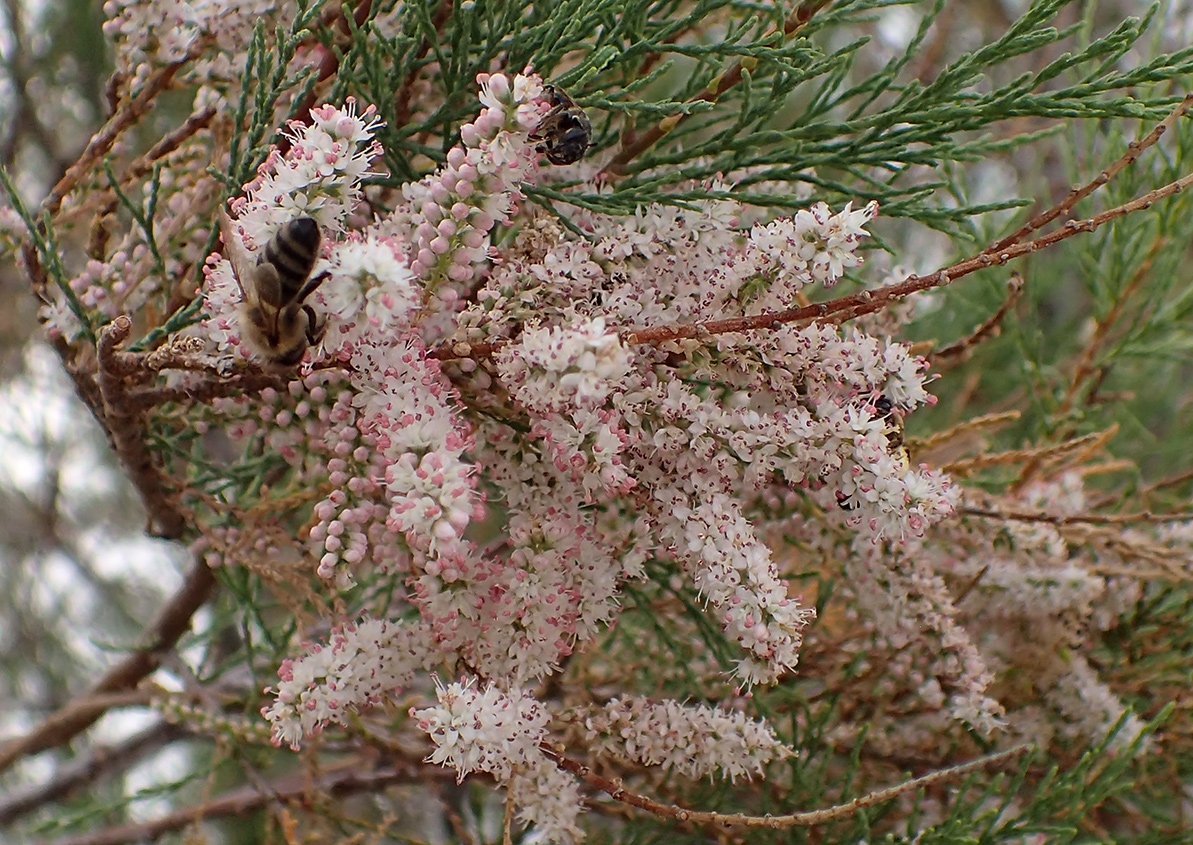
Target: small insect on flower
{"type": "Point", "coordinates": [565, 130]}
{"type": "Point", "coordinates": [276, 323]}
{"type": "Point", "coordinates": [894, 432]}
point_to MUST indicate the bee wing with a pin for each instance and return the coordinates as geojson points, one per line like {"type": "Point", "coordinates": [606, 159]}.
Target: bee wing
{"type": "Point", "coordinates": [241, 260]}
{"type": "Point", "coordinates": [559, 97]}
{"type": "Point", "coordinates": [268, 284]}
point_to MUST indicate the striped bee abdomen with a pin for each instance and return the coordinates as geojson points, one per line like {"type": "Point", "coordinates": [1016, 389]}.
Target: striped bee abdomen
{"type": "Point", "coordinates": [293, 252]}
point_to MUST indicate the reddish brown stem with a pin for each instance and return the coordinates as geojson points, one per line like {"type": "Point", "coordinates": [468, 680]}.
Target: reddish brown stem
{"type": "Point", "coordinates": [801, 819]}
{"type": "Point", "coordinates": [855, 305]}
{"type": "Point", "coordinates": [1079, 193]}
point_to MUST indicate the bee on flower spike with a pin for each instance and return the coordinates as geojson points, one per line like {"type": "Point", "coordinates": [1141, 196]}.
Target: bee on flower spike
{"type": "Point", "coordinates": [565, 130]}
{"type": "Point", "coordinates": [275, 322]}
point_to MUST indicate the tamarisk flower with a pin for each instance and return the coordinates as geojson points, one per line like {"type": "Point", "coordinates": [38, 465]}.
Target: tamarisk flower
{"type": "Point", "coordinates": [454, 210]}
{"type": "Point", "coordinates": [319, 176]}
{"type": "Point", "coordinates": [694, 740]}
{"type": "Point", "coordinates": [499, 732]}
{"type": "Point", "coordinates": [600, 453]}
{"type": "Point", "coordinates": [361, 665]}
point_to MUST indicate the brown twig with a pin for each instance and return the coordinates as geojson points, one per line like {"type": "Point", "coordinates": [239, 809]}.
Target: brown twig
{"type": "Point", "coordinates": [1080, 193]}
{"type": "Point", "coordinates": [632, 148]}
{"type": "Point", "coordinates": [123, 423]}
{"type": "Point", "coordinates": [352, 778]}
{"type": "Point", "coordinates": [101, 142]}
{"type": "Point", "coordinates": [991, 328]}
{"type": "Point", "coordinates": [192, 125]}
{"type": "Point", "coordinates": [171, 622]}
{"type": "Point", "coordinates": [87, 771]}
{"type": "Point", "coordinates": [1034, 456]}
{"type": "Point", "coordinates": [811, 817]}
{"type": "Point", "coordinates": [858, 304]}
{"type": "Point", "coordinates": [1077, 519]}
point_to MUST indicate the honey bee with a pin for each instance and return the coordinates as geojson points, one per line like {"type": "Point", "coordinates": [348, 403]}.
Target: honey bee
{"type": "Point", "coordinates": [276, 323]}
{"type": "Point", "coordinates": [565, 130]}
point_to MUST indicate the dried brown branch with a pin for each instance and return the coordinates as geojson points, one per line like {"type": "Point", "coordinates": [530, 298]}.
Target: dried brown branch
{"type": "Point", "coordinates": [125, 427]}
{"type": "Point", "coordinates": [172, 621]}
{"type": "Point", "coordinates": [633, 147]}
{"type": "Point", "coordinates": [105, 202]}
{"type": "Point", "coordinates": [811, 817]}
{"type": "Point", "coordinates": [1035, 456]}
{"type": "Point", "coordinates": [126, 116]}
{"type": "Point", "coordinates": [1080, 193]}
{"type": "Point", "coordinates": [354, 777]}
{"type": "Point", "coordinates": [87, 771]}
{"type": "Point", "coordinates": [962, 349]}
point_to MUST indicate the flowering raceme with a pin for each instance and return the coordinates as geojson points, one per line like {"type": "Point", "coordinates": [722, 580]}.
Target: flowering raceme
{"type": "Point", "coordinates": [593, 452]}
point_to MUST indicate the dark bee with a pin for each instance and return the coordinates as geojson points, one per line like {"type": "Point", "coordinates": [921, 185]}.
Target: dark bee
{"type": "Point", "coordinates": [565, 130]}
{"type": "Point", "coordinates": [275, 321]}
{"type": "Point", "coordinates": [893, 431]}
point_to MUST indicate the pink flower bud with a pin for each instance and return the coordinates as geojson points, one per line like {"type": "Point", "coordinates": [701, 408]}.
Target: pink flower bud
{"type": "Point", "coordinates": [499, 84]}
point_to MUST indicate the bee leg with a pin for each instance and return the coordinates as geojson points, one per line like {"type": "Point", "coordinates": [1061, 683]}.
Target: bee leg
{"type": "Point", "coordinates": [311, 286]}
{"type": "Point", "coordinates": [315, 326]}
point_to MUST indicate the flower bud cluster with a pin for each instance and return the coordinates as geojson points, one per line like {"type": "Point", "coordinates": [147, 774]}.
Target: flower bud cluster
{"type": "Point", "coordinates": [455, 209]}
{"type": "Point", "coordinates": [499, 732]}
{"type": "Point", "coordinates": [358, 667]}
{"type": "Point", "coordinates": [694, 740]}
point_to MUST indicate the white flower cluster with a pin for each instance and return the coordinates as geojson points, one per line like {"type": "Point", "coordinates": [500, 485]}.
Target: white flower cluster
{"type": "Point", "coordinates": [369, 295]}
{"type": "Point", "coordinates": [694, 740]}
{"type": "Point", "coordinates": [1032, 594]}
{"type": "Point", "coordinates": [499, 733]}
{"type": "Point", "coordinates": [617, 454]}
{"type": "Point", "coordinates": [552, 370]}
{"type": "Point", "coordinates": [318, 177]}
{"type": "Point", "coordinates": [734, 573]}
{"type": "Point", "coordinates": [148, 35]}
{"type": "Point", "coordinates": [360, 666]}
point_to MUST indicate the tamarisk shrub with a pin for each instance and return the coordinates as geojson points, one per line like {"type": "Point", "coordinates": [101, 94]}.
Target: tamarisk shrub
{"type": "Point", "coordinates": [597, 479]}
